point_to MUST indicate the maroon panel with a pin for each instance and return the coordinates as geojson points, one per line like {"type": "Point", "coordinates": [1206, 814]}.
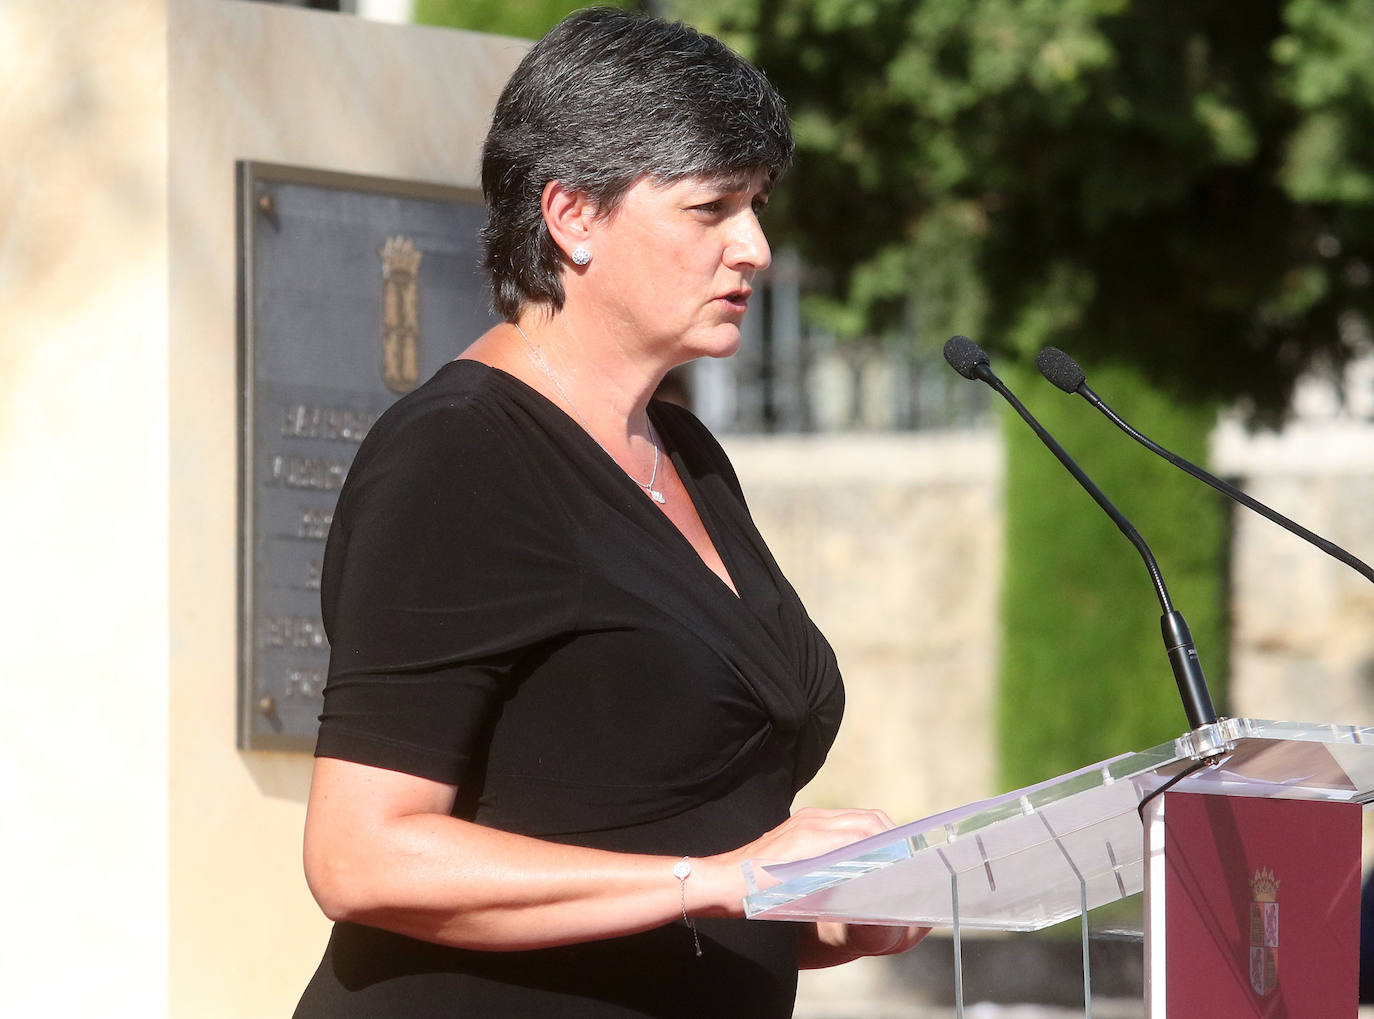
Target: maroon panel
{"type": "Point", "coordinates": [1262, 907]}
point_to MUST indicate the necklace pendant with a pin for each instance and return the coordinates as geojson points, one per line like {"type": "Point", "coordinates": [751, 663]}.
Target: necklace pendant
{"type": "Point", "coordinates": [656, 495]}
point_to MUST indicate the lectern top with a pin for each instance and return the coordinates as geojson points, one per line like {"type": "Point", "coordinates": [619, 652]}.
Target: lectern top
{"type": "Point", "coordinates": [1032, 857]}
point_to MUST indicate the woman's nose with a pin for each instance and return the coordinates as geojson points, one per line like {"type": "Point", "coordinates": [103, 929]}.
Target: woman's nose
{"type": "Point", "coordinates": [749, 247]}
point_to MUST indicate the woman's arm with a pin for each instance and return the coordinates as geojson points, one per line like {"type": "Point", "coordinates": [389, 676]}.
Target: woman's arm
{"type": "Point", "coordinates": [381, 849]}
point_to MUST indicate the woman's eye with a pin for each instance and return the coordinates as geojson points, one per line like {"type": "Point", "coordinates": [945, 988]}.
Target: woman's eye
{"type": "Point", "coordinates": [710, 207]}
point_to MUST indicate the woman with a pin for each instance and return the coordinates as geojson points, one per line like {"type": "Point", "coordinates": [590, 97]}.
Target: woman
{"type": "Point", "coordinates": [570, 692]}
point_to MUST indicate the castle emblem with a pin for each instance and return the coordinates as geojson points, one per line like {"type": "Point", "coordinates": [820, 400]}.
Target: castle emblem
{"type": "Point", "coordinates": [400, 314]}
{"type": "Point", "coordinates": [1264, 932]}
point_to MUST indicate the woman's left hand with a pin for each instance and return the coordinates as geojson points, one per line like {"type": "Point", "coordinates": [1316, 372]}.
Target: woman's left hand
{"type": "Point", "coordinates": [830, 944]}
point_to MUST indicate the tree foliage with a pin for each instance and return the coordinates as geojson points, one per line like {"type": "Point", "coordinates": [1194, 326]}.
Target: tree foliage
{"type": "Point", "coordinates": [1182, 185]}
{"type": "Point", "coordinates": [528, 19]}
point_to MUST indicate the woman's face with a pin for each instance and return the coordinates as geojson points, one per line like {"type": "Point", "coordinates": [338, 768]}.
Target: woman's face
{"type": "Point", "coordinates": [671, 267]}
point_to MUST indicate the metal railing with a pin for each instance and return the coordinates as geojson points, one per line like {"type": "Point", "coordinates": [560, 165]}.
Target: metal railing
{"type": "Point", "coordinates": [787, 378]}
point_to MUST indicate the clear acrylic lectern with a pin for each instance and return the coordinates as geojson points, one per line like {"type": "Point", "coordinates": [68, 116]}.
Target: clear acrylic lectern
{"type": "Point", "coordinates": [1032, 858]}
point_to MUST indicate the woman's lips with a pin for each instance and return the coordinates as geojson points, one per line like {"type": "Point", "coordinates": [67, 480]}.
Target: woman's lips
{"type": "Point", "coordinates": [736, 300]}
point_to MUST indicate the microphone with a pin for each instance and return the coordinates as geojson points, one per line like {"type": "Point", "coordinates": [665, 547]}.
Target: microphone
{"type": "Point", "coordinates": [971, 361]}
{"type": "Point", "coordinates": [1059, 368]}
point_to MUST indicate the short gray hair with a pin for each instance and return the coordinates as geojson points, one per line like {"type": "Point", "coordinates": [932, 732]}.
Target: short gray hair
{"type": "Point", "coordinates": [605, 99]}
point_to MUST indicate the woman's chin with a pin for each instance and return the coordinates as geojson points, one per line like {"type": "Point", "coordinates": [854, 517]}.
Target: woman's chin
{"type": "Point", "coordinates": [723, 341]}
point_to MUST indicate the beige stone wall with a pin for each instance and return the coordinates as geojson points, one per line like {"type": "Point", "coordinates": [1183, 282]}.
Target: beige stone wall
{"type": "Point", "coordinates": [1303, 623]}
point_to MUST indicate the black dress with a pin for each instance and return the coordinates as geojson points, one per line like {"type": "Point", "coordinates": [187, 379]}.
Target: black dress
{"type": "Point", "coordinates": [508, 613]}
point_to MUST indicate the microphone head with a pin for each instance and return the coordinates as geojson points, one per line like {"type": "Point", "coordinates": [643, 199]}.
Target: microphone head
{"type": "Point", "coordinates": [1060, 369]}
{"type": "Point", "coordinates": [964, 356]}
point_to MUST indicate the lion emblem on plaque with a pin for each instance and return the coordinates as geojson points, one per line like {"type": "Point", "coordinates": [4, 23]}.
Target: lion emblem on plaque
{"type": "Point", "coordinates": [1264, 932]}
{"type": "Point", "coordinates": [400, 314]}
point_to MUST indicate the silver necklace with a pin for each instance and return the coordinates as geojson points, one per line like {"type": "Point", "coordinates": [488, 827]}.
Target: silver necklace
{"type": "Point", "coordinates": [655, 494]}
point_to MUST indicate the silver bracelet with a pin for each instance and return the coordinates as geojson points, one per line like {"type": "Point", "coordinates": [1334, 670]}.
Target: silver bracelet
{"type": "Point", "coordinates": [682, 870]}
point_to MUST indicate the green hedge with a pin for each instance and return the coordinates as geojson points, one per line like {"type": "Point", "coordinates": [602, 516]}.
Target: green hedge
{"type": "Point", "coordinates": [1084, 674]}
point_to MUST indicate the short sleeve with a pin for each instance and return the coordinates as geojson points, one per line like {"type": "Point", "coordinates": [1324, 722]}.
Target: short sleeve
{"type": "Point", "coordinates": [444, 568]}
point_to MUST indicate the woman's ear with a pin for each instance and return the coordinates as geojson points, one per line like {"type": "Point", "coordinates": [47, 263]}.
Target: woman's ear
{"type": "Point", "coordinates": [568, 214]}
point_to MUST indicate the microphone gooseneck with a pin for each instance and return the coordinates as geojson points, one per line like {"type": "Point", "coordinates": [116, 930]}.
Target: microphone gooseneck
{"type": "Point", "coordinates": [1062, 370]}
{"type": "Point", "coordinates": [972, 362]}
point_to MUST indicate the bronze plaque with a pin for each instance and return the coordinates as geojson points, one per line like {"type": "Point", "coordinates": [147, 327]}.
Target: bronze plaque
{"type": "Point", "coordinates": [352, 291]}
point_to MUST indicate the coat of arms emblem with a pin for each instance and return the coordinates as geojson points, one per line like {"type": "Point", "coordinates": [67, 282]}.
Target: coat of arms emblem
{"type": "Point", "coordinates": [1264, 932]}
{"type": "Point", "coordinates": [400, 314]}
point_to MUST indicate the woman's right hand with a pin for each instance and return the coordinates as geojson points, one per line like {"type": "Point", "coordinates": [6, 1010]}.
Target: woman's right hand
{"type": "Point", "coordinates": [809, 832]}
{"type": "Point", "coordinates": [813, 832]}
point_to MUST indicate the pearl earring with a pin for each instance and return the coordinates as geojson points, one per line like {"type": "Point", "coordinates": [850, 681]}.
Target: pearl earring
{"type": "Point", "coordinates": [580, 255]}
